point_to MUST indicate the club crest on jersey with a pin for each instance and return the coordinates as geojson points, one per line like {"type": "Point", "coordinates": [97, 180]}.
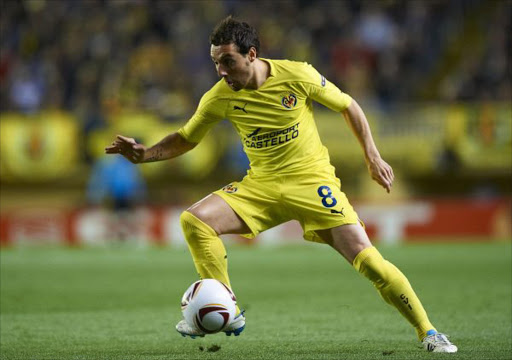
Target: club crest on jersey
{"type": "Point", "coordinates": [230, 188]}
{"type": "Point", "coordinates": [289, 100]}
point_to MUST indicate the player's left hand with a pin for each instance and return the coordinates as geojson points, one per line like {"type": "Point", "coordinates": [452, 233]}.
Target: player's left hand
{"type": "Point", "coordinates": [382, 173]}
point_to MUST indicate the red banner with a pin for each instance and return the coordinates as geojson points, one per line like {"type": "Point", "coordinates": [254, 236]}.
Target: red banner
{"type": "Point", "coordinates": [432, 220]}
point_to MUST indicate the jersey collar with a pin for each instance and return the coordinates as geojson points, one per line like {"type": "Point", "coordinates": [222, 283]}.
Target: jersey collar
{"type": "Point", "coordinates": [271, 64]}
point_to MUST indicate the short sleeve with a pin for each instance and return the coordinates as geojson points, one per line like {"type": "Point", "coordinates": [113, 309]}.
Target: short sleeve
{"type": "Point", "coordinates": [324, 92]}
{"type": "Point", "coordinates": [209, 112]}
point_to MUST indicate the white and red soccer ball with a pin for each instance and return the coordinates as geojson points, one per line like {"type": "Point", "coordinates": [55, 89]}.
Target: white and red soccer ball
{"type": "Point", "coordinates": [209, 305]}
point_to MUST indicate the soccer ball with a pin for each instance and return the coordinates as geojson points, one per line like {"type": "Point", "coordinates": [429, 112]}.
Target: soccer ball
{"type": "Point", "coordinates": [208, 305]}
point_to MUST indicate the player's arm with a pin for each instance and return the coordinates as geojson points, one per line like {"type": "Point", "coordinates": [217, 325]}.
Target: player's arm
{"type": "Point", "coordinates": [210, 111]}
{"type": "Point", "coordinates": [380, 171]}
{"type": "Point", "coordinates": [323, 91]}
{"type": "Point", "coordinates": [169, 147]}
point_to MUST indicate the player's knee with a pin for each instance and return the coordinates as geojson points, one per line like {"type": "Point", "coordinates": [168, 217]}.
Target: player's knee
{"type": "Point", "coordinates": [193, 227]}
{"type": "Point", "coordinates": [187, 222]}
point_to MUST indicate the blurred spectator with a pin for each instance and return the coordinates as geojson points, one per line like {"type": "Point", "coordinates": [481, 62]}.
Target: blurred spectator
{"type": "Point", "coordinates": [375, 29]}
{"type": "Point", "coordinates": [118, 185]}
{"type": "Point", "coordinates": [27, 88]}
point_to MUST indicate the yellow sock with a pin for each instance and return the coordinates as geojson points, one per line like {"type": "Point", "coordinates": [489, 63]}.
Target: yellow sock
{"type": "Point", "coordinates": [207, 249]}
{"type": "Point", "coordinates": [394, 288]}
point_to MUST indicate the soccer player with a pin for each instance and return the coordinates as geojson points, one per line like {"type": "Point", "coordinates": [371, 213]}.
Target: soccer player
{"type": "Point", "coordinates": [270, 104]}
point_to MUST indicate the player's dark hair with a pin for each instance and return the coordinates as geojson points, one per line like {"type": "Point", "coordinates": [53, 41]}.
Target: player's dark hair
{"type": "Point", "coordinates": [231, 31]}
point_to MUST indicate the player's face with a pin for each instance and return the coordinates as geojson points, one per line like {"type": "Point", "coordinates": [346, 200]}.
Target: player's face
{"type": "Point", "coordinates": [236, 69]}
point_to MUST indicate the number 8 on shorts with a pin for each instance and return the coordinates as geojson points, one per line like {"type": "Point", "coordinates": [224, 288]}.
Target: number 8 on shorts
{"type": "Point", "coordinates": [325, 193]}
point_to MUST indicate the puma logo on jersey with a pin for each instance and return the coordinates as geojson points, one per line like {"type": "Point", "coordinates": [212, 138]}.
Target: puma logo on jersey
{"type": "Point", "coordinates": [240, 108]}
{"type": "Point", "coordinates": [338, 212]}
{"type": "Point", "coordinates": [254, 133]}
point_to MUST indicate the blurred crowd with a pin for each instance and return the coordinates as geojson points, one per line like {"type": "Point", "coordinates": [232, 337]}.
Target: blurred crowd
{"type": "Point", "coordinates": [96, 57]}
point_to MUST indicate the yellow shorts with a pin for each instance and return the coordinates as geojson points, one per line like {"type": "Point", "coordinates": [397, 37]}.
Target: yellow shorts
{"type": "Point", "coordinates": [314, 199]}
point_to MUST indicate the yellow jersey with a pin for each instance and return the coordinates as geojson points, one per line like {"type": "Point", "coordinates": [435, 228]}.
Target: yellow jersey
{"type": "Point", "coordinates": [275, 122]}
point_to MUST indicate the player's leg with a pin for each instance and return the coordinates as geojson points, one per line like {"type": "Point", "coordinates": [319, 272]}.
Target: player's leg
{"type": "Point", "coordinates": [202, 224]}
{"type": "Point", "coordinates": [319, 203]}
{"type": "Point", "coordinates": [246, 208]}
{"type": "Point", "coordinates": [352, 242]}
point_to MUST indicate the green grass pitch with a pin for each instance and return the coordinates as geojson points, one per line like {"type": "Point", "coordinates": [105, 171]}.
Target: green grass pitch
{"type": "Point", "coordinates": [302, 302]}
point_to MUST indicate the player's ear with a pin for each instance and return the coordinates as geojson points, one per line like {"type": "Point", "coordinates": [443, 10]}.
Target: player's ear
{"type": "Point", "coordinates": [252, 54]}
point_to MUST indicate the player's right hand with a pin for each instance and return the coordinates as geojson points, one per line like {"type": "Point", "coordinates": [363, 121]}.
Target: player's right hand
{"type": "Point", "coordinates": [127, 147]}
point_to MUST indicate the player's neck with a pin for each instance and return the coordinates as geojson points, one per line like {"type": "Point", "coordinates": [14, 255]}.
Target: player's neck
{"type": "Point", "coordinates": [261, 74]}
